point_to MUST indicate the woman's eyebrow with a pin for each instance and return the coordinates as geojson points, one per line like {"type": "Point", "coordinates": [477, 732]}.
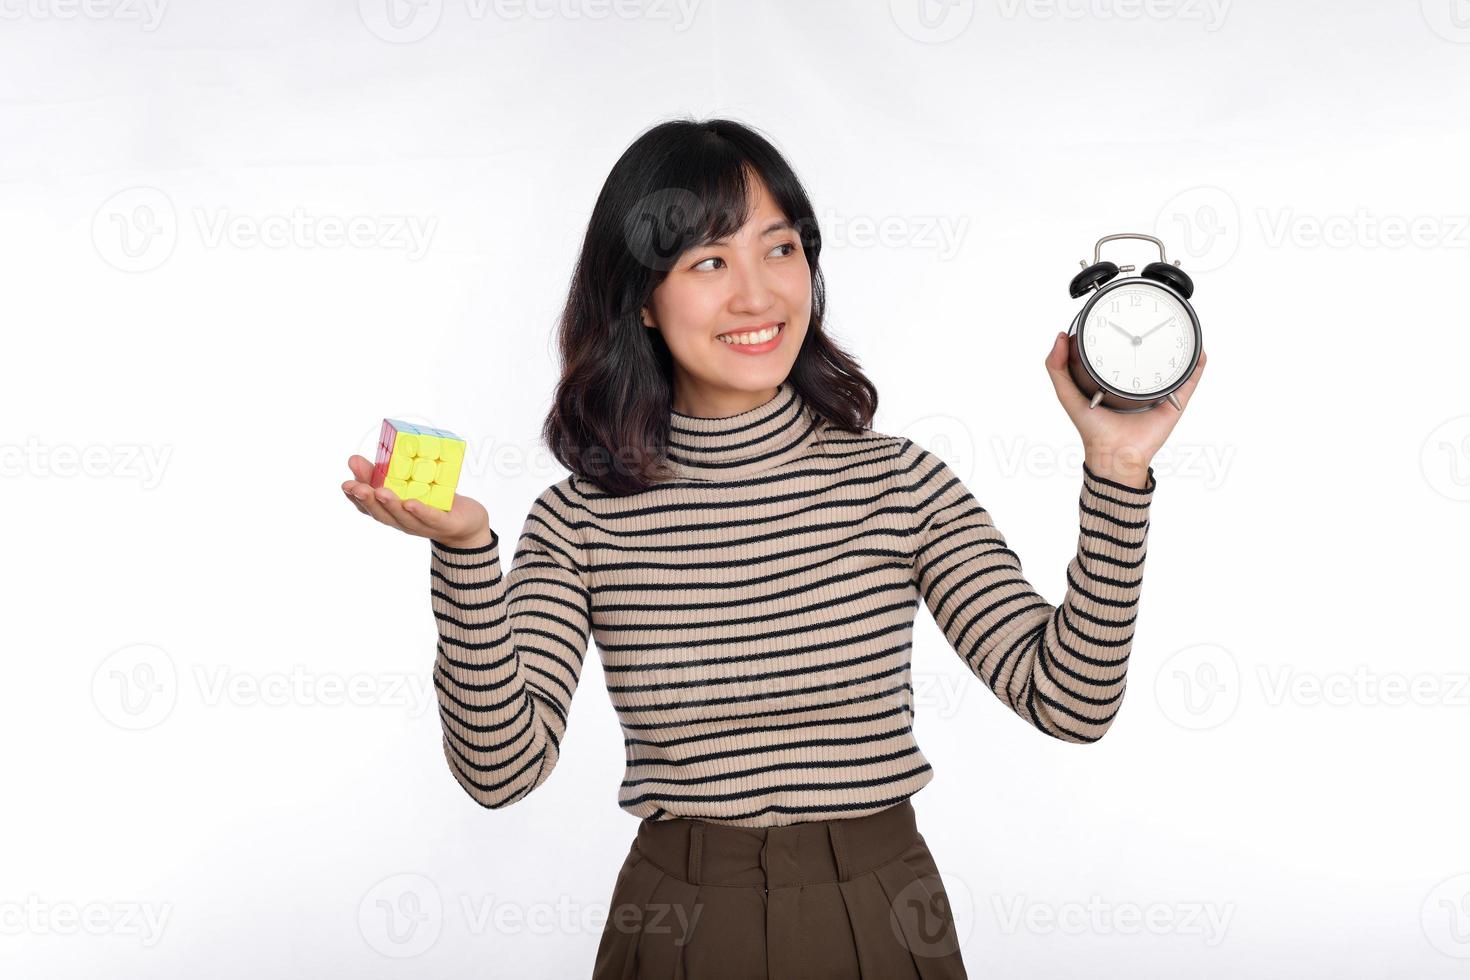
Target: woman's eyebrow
{"type": "Point", "coordinates": [781, 224]}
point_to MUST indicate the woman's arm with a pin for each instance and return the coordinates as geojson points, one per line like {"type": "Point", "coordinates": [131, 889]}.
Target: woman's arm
{"type": "Point", "coordinates": [1061, 668]}
{"type": "Point", "coordinates": [510, 652]}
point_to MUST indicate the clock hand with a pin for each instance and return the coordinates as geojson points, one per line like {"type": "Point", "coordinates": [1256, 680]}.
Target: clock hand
{"type": "Point", "coordinates": [1153, 328]}
{"type": "Point", "coordinates": [1119, 329]}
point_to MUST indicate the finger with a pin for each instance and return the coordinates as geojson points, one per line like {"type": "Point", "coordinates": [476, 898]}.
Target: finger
{"type": "Point", "coordinates": [362, 469]}
{"type": "Point", "coordinates": [378, 507]}
{"type": "Point", "coordinates": [355, 502]}
{"type": "Point", "coordinates": [431, 520]}
{"type": "Point", "coordinates": [1186, 390]}
{"type": "Point", "coordinates": [403, 518]}
{"type": "Point", "coordinates": [1067, 391]}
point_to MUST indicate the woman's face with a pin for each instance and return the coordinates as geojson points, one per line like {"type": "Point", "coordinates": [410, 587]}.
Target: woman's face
{"type": "Point", "coordinates": [756, 280]}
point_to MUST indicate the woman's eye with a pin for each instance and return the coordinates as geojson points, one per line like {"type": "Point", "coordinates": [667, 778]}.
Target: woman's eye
{"type": "Point", "coordinates": [701, 265]}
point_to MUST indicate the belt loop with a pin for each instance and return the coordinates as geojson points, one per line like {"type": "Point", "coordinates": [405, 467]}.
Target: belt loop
{"type": "Point", "coordinates": [835, 831]}
{"type": "Point", "coordinates": [696, 846]}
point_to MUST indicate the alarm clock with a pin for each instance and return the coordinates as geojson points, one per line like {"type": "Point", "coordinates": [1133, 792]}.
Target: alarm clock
{"type": "Point", "coordinates": [1136, 339]}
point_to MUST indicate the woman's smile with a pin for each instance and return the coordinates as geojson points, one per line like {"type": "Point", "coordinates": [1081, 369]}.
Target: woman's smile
{"type": "Point", "coordinates": [757, 341]}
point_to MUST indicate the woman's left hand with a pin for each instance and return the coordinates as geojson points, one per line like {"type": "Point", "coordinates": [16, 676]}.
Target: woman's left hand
{"type": "Point", "coordinates": [1117, 445]}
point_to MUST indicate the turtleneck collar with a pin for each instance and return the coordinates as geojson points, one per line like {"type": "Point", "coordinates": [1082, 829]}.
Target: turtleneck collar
{"type": "Point", "coordinates": [735, 445]}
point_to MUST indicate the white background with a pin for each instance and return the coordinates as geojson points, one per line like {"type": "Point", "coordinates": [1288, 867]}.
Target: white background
{"type": "Point", "coordinates": [187, 370]}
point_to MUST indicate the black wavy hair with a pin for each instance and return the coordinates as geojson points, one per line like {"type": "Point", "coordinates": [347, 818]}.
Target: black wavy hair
{"type": "Point", "coordinates": [681, 184]}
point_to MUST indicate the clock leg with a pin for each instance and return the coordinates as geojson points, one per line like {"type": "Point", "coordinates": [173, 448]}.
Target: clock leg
{"type": "Point", "coordinates": [1095, 399]}
{"type": "Point", "coordinates": [1175, 402]}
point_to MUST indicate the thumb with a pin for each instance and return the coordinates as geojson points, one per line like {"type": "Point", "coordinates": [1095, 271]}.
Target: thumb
{"type": "Point", "coordinates": [1067, 391]}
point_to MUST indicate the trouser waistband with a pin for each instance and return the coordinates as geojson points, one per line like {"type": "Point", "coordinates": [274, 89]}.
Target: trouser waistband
{"type": "Point", "coordinates": [704, 852]}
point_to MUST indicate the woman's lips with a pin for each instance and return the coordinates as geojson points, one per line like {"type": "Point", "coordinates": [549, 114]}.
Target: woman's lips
{"type": "Point", "coordinates": [761, 348]}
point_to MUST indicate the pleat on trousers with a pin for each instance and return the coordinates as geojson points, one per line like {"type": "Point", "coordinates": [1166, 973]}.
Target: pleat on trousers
{"type": "Point", "coordinates": [843, 899]}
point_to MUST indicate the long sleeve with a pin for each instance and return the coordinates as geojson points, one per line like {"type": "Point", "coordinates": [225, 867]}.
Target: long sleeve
{"type": "Point", "coordinates": [510, 652]}
{"type": "Point", "coordinates": [1062, 669]}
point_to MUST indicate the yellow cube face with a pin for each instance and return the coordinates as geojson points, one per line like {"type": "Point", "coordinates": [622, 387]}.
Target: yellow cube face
{"type": "Point", "coordinates": [419, 463]}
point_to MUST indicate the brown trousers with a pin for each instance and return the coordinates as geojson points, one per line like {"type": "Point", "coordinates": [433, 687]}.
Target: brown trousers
{"type": "Point", "coordinates": [853, 899]}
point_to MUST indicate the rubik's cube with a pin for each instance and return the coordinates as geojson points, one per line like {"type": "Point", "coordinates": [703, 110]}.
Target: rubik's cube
{"type": "Point", "coordinates": [418, 463]}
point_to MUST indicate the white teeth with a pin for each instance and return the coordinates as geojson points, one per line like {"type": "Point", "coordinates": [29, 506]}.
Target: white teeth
{"type": "Point", "coordinates": [755, 337]}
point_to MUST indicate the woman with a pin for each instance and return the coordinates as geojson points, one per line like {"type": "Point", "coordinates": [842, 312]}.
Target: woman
{"type": "Point", "coordinates": [750, 555]}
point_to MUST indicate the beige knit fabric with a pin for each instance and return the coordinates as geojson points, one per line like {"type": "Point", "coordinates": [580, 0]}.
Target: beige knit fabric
{"type": "Point", "coordinates": [754, 621]}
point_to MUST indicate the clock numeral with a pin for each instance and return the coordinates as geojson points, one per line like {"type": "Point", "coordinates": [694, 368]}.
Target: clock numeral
{"type": "Point", "coordinates": [1135, 299]}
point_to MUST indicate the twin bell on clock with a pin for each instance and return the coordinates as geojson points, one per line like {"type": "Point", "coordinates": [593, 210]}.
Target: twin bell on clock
{"type": "Point", "coordinates": [1136, 339]}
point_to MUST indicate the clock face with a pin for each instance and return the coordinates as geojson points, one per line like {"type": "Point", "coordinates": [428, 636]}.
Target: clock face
{"type": "Point", "coordinates": [1138, 338]}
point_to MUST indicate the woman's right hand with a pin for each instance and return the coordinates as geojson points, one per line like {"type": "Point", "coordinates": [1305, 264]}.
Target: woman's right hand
{"type": "Point", "coordinates": [465, 525]}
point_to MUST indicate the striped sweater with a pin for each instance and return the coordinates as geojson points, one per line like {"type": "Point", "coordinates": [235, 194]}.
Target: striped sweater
{"type": "Point", "coordinates": [754, 621]}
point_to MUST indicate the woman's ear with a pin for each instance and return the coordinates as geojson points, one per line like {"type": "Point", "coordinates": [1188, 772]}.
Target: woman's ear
{"type": "Point", "coordinates": [647, 318]}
